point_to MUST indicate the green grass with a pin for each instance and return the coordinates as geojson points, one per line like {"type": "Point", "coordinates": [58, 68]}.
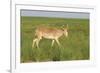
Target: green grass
{"type": "Point", "coordinates": [74, 47]}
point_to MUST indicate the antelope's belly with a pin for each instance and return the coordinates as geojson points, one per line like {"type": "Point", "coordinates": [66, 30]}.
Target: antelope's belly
{"type": "Point", "coordinates": [49, 37]}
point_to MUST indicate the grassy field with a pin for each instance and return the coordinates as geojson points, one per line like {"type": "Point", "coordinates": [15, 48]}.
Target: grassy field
{"type": "Point", "coordinates": [74, 47]}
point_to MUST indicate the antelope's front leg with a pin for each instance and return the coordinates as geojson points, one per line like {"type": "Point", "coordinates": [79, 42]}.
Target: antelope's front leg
{"type": "Point", "coordinates": [58, 42]}
{"type": "Point", "coordinates": [52, 43]}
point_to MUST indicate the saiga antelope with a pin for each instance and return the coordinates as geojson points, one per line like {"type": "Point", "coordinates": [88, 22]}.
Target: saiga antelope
{"type": "Point", "coordinates": [49, 33]}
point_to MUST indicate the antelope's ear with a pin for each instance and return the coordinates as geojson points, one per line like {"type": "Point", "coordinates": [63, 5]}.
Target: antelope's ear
{"type": "Point", "coordinates": [63, 29]}
{"type": "Point", "coordinates": [62, 26]}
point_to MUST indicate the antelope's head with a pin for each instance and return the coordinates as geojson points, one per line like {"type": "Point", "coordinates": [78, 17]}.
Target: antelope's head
{"type": "Point", "coordinates": [65, 31]}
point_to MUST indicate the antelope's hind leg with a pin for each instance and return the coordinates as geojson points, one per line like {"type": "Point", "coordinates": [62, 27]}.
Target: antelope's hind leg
{"type": "Point", "coordinates": [37, 43]}
{"type": "Point", "coordinates": [34, 41]}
